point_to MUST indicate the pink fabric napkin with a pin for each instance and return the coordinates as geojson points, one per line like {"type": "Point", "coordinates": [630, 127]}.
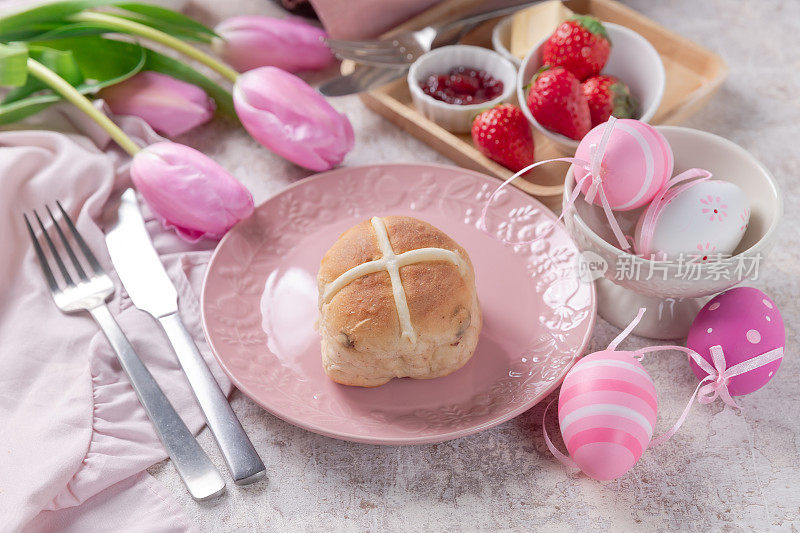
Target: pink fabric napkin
{"type": "Point", "coordinates": [74, 441]}
{"type": "Point", "coordinates": [365, 19]}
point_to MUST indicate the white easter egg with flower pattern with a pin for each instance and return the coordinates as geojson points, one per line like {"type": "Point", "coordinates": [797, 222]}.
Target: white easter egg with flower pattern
{"type": "Point", "coordinates": [705, 222]}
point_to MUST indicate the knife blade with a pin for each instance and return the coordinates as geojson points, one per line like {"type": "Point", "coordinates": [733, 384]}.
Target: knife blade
{"type": "Point", "coordinates": [150, 289]}
{"type": "Point", "coordinates": [361, 79]}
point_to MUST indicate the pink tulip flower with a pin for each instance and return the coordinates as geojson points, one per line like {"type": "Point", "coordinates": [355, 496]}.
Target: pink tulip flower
{"type": "Point", "coordinates": [170, 106]}
{"type": "Point", "coordinates": [189, 191]}
{"type": "Point", "coordinates": [250, 42]}
{"type": "Point", "coordinates": [289, 117]}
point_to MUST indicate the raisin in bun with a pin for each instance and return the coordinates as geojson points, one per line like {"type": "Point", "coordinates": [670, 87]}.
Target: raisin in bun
{"type": "Point", "coordinates": [397, 299]}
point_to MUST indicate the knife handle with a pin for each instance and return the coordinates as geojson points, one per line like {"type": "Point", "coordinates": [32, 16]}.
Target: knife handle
{"type": "Point", "coordinates": [193, 465]}
{"type": "Point", "coordinates": [240, 455]}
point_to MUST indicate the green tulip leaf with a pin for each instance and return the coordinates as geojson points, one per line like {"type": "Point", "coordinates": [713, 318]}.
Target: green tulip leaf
{"type": "Point", "coordinates": [37, 22]}
{"type": "Point", "coordinates": [62, 62]}
{"type": "Point", "coordinates": [166, 20]}
{"type": "Point", "coordinates": [72, 29]}
{"type": "Point", "coordinates": [27, 33]}
{"type": "Point", "coordinates": [107, 61]}
{"type": "Point", "coordinates": [175, 31]}
{"type": "Point", "coordinates": [13, 65]}
{"type": "Point", "coordinates": [101, 62]}
{"type": "Point", "coordinates": [42, 17]}
{"type": "Point", "coordinates": [16, 111]}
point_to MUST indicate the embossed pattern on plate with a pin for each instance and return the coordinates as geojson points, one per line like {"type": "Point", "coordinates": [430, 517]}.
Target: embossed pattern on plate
{"type": "Point", "coordinates": [259, 305]}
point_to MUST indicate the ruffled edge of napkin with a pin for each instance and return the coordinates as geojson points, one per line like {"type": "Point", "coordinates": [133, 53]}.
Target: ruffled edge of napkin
{"type": "Point", "coordinates": [106, 396]}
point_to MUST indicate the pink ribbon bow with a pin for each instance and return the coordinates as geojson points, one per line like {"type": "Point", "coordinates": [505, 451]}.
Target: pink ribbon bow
{"type": "Point", "coordinates": [594, 169]}
{"type": "Point", "coordinates": [715, 384]}
{"type": "Point", "coordinates": [663, 197]}
{"type": "Point", "coordinates": [718, 376]}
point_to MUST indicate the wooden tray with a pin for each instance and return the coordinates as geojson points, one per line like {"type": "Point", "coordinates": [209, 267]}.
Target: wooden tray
{"type": "Point", "coordinates": [693, 75]}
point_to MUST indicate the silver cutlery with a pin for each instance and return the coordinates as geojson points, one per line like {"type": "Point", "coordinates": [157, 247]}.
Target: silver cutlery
{"type": "Point", "coordinates": [399, 51]}
{"type": "Point", "coordinates": [89, 292]}
{"type": "Point", "coordinates": [395, 52]}
{"type": "Point", "coordinates": [142, 274]}
{"type": "Point", "coordinates": [363, 78]}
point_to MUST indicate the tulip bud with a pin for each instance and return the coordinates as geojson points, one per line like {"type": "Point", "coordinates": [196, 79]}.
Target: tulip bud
{"type": "Point", "coordinates": [170, 106]}
{"type": "Point", "coordinates": [289, 117]}
{"type": "Point", "coordinates": [250, 42]}
{"type": "Point", "coordinates": [189, 191]}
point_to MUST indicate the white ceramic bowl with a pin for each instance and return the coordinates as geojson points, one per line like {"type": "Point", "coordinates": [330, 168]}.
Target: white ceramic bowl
{"type": "Point", "coordinates": [454, 117]}
{"type": "Point", "coordinates": [501, 36]}
{"type": "Point", "coordinates": [633, 60]}
{"type": "Point", "coordinates": [671, 295]}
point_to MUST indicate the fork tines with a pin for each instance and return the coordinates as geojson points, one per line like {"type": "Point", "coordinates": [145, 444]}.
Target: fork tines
{"type": "Point", "coordinates": [387, 53]}
{"type": "Point", "coordinates": [62, 267]}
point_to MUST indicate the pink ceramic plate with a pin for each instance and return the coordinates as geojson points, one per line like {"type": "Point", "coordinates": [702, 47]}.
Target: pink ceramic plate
{"type": "Point", "coordinates": [259, 305]}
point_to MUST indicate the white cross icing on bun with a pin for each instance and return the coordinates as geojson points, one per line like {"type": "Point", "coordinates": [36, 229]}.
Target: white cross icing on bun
{"type": "Point", "coordinates": [397, 299]}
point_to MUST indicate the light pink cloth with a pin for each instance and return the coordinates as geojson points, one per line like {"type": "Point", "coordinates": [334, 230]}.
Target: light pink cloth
{"type": "Point", "coordinates": [74, 441]}
{"type": "Point", "coordinates": [365, 19]}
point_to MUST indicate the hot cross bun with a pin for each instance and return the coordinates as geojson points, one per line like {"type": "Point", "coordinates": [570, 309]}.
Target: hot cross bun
{"type": "Point", "coordinates": [397, 299]}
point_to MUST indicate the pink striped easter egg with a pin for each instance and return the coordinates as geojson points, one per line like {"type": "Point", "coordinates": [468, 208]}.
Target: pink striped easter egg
{"type": "Point", "coordinates": [607, 411]}
{"type": "Point", "coordinates": [636, 163]}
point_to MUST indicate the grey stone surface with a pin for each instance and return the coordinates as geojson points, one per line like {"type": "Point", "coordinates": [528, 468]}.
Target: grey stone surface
{"type": "Point", "coordinates": [723, 471]}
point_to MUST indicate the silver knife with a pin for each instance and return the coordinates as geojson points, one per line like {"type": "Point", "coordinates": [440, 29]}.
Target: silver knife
{"type": "Point", "coordinates": [363, 78]}
{"type": "Point", "coordinates": [141, 272]}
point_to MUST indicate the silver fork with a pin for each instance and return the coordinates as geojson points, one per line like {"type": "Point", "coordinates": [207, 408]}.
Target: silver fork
{"type": "Point", "coordinates": [89, 293]}
{"type": "Point", "coordinates": [401, 50]}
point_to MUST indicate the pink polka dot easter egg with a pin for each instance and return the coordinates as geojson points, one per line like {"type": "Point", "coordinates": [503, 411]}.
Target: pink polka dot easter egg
{"type": "Point", "coordinates": [746, 323]}
{"type": "Point", "coordinates": [607, 411]}
{"type": "Point", "coordinates": [636, 163]}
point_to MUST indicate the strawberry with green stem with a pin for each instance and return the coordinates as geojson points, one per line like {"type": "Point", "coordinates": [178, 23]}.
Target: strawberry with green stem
{"type": "Point", "coordinates": [606, 96]}
{"type": "Point", "coordinates": [581, 45]}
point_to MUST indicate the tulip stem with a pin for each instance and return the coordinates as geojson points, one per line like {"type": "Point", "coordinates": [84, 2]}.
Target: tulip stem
{"type": "Point", "coordinates": [62, 87]}
{"type": "Point", "coordinates": [142, 30]}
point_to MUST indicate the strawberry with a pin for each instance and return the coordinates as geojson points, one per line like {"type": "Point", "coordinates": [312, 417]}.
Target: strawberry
{"type": "Point", "coordinates": [580, 45]}
{"type": "Point", "coordinates": [503, 134]}
{"type": "Point", "coordinates": [607, 96]}
{"type": "Point", "coordinates": [556, 101]}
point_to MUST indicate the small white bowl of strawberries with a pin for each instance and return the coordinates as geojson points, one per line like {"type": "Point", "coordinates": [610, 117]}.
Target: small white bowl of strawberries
{"type": "Point", "coordinates": [584, 72]}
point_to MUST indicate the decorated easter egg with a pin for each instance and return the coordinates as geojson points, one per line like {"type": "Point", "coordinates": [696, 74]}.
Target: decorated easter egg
{"type": "Point", "coordinates": [636, 163]}
{"type": "Point", "coordinates": [746, 323]}
{"type": "Point", "coordinates": [706, 220]}
{"type": "Point", "coordinates": [607, 411]}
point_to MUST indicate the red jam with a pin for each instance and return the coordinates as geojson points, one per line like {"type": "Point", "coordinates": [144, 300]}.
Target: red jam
{"type": "Point", "coordinates": [462, 86]}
